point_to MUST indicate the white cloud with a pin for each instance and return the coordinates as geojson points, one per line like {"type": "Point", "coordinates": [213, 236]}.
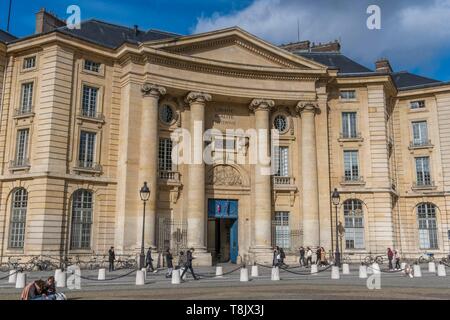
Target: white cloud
{"type": "Point", "coordinates": [408, 26]}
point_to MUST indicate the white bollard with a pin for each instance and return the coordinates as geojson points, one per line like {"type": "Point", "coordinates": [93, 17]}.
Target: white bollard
{"type": "Point", "coordinates": [176, 279]}
{"type": "Point", "coordinates": [403, 266]}
{"type": "Point", "coordinates": [21, 280]}
{"type": "Point", "coordinates": [432, 267]}
{"type": "Point", "coordinates": [255, 272]}
{"type": "Point", "coordinates": [101, 274]}
{"type": "Point", "coordinates": [219, 272]}
{"type": "Point", "coordinates": [335, 273]}
{"type": "Point", "coordinates": [441, 270]}
{"type": "Point", "coordinates": [140, 278]}
{"type": "Point", "coordinates": [74, 277]}
{"type": "Point", "coordinates": [144, 270]}
{"type": "Point", "coordinates": [417, 271]}
{"type": "Point", "coordinates": [275, 274]}
{"type": "Point", "coordinates": [61, 282]}
{"type": "Point", "coordinates": [314, 269]}
{"type": "Point", "coordinates": [12, 276]}
{"type": "Point", "coordinates": [345, 268]}
{"type": "Point", "coordinates": [244, 275]}
{"type": "Point", "coordinates": [375, 268]}
{"type": "Point", "coordinates": [57, 275]}
{"type": "Point", "coordinates": [362, 272]}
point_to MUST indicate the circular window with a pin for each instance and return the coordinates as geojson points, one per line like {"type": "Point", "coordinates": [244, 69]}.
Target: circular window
{"type": "Point", "coordinates": [166, 114]}
{"type": "Point", "coordinates": [280, 123]}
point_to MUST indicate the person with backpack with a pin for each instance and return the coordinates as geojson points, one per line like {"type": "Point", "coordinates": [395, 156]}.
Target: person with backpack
{"type": "Point", "coordinates": [188, 265]}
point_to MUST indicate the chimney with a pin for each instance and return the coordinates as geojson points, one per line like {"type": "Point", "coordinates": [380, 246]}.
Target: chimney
{"type": "Point", "coordinates": [47, 21]}
{"type": "Point", "coordinates": [136, 29]}
{"type": "Point", "coordinates": [326, 47]}
{"type": "Point", "coordinates": [296, 46]}
{"type": "Point", "coordinates": [383, 65]}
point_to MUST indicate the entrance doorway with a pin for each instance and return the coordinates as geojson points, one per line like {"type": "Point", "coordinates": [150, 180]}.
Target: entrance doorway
{"type": "Point", "coordinates": [223, 229]}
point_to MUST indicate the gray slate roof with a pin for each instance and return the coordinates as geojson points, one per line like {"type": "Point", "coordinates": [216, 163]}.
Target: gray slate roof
{"type": "Point", "coordinates": [404, 80]}
{"type": "Point", "coordinates": [335, 60]}
{"type": "Point", "coordinates": [113, 36]}
{"type": "Point", "coordinates": [6, 37]}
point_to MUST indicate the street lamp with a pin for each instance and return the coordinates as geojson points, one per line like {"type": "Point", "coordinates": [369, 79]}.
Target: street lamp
{"type": "Point", "coordinates": [336, 199]}
{"type": "Point", "coordinates": [145, 194]}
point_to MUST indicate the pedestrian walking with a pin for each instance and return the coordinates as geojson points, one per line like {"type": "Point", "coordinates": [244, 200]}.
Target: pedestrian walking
{"type": "Point", "coordinates": [149, 261]}
{"type": "Point", "coordinates": [169, 262]}
{"type": "Point", "coordinates": [323, 257]}
{"type": "Point", "coordinates": [390, 255]}
{"type": "Point", "coordinates": [276, 256]}
{"type": "Point", "coordinates": [318, 254]}
{"type": "Point", "coordinates": [112, 258]}
{"type": "Point", "coordinates": [397, 260]}
{"type": "Point", "coordinates": [302, 260]}
{"type": "Point", "coordinates": [282, 257]}
{"type": "Point", "coordinates": [309, 255]}
{"type": "Point", "coordinates": [188, 264]}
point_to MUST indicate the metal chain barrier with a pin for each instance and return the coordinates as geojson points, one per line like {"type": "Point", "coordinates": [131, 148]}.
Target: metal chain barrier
{"type": "Point", "coordinates": [213, 276]}
{"type": "Point", "coordinates": [110, 279]}
{"type": "Point", "coordinates": [15, 272]}
{"type": "Point", "coordinates": [386, 271]}
{"type": "Point", "coordinates": [298, 273]}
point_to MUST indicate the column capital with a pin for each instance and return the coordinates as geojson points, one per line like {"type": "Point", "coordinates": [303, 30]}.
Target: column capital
{"type": "Point", "coordinates": [261, 104]}
{"type": "Point", "coordinates": [152, 90]}
{"type": "Point", "coordinates": [197, 97]}
{"type": "Point", "coordinates": [308, 107]}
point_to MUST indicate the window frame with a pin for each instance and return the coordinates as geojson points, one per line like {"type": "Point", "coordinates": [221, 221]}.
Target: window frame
{"type": "Point", "coordinates": [430, 180]}
{"type": "Point", "coordinates": [342, 98]}
{"type": "Point", "coordinates": [354, 226]}
{"type": "Point", "coordinates": [165, 155]}
{"type": "Point", "coordinates": [352, 176]}
{"type": "Point", "coordinates": [348, 135]}
{"type": "Point", "coordinates": [419, 102]}
{"type": "Point", "coordinates": [82, 162]}
{"type": "Point", "coordinates": [30, 99]}
{"type": "Point", "coordinates": [90, 220]}
{"type": "Point", "coordinates": [429, 231]}
{"type": "Point", "coordinates": [26, 146]}
{"type": "Point", "coordinates": [22, 222]}
{"type": "Point", "coordinates": [422, 140]}
{"type": "Point", "coordinates": [284, 217]}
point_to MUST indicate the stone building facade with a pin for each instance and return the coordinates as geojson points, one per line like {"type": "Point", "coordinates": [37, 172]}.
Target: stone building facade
{"type": "Point", "coordinates": [88, 115]}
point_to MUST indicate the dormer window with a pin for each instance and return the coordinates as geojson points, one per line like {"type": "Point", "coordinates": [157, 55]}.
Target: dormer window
{"type": "Point", "coordinates": [420, 104]}
{"type": "Point", "coordinates": [348, 94]}
{"type": "Point", "coordinates": [29, 63]}
{"type": "Point", "coordinates": [92, 66]}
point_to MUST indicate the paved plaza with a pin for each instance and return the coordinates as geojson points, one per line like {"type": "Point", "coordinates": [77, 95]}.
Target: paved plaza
{"type": "Point", "coordinates": [291, 286]}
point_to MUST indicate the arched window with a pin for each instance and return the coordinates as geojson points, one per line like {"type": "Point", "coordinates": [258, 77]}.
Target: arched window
{"type": "Point", "coordinates": [18, 218]}
{"type": "Point", "coordinates": [354, 224]}
{"type": "Point", "coordinates": [81, 220]}
{"type": "Point", "coordinates": [426, 213]}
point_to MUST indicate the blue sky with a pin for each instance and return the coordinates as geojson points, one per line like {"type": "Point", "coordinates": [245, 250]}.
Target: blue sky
{"type": "Point", "coordinates": [415, 34]}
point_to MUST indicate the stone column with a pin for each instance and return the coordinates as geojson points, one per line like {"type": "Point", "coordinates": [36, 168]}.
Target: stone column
{"type": "Point", "coordinates": [310, 186]}
{"type": "Point", "coordinates": [148, 160]}
{"type": "Point", "coordinates": [262, 241]}
{"type": "Point", "coordinates": [196, 216]}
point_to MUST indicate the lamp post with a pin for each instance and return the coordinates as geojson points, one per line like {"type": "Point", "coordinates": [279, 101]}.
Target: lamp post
{"type": "Point", "coordinates": [336, 199]}
{"type": "Point", "coordinates": [145, 194]}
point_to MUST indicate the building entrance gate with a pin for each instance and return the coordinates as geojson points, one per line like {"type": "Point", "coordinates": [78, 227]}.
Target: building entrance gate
{"type": "Point", "coordinates": [223, 223]}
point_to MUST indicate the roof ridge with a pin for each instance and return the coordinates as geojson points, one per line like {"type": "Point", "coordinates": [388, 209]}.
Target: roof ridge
{"type": "Point", "coordinates": [164, 32]}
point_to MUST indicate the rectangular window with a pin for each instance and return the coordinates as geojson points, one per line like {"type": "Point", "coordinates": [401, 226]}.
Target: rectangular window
{"type": "Point", "coordinates": [18, 219]}
{"type": "Point", "coordinates": [29, 63]}
{"type": "Point", "coordinates": [348, 94]}
{"type": "Point", "coordinates": [282, 231]}
{"type": "Point", "coordinates": [282, 161]}
{"type": "Point", "coordinates": [351, 166]}
{"type": "Point", "coordinates": [349, 125]}
{"type": "Point", "coordinates": [91, 66]}
{"type": "Point", "coordinates": [22, 147]}
{"type": "Point", "coordinates": [89, 107]}
{"type": "Point", "coordinates": [224, 143]}
{"type": "Point", "coordinates": [423, 171]}
{"type": "Point", "coordinates": [86, 151]}
{"type": "Point", "coordinates": [27, 97]}
{"type": "Point", "coordinates": [82, 211]}
{"type": "Point", "coordinates": [420, 133]}
{"type": "Point", "coordinates": [420, 104]}
{"type": "Point", "coordinates": [165, 155]}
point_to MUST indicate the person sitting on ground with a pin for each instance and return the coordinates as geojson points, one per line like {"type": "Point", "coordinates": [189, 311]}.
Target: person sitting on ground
{"type": "Point", "coordinates": [49, 287]}
{"type": "Point", "coordinates": [34, 291]}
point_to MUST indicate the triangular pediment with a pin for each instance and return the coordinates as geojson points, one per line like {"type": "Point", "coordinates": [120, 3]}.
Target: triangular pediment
{"type": "Point", "coordinates": [236, 47]}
